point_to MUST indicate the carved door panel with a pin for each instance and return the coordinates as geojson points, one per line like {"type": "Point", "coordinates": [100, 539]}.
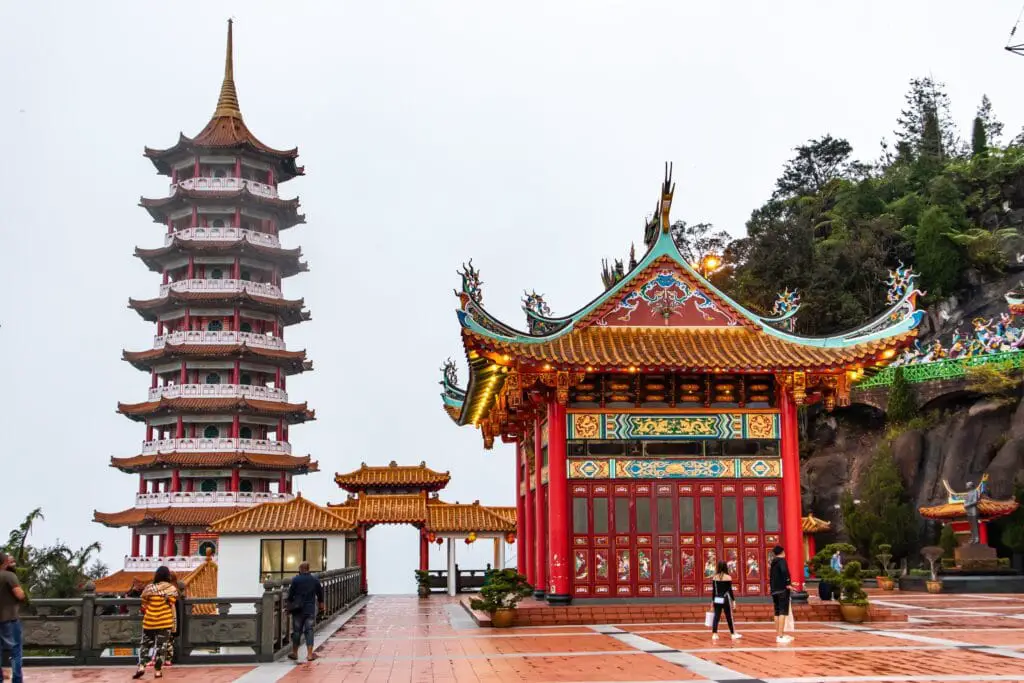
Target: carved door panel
{"type": "Point", "coordinates": [644, 539]}
{"type": "Point", "coordinates": [666, 576]}
{"type": "Point", "coordinates": [582, 541]}
{"type": "Point", "coordinates": [622, 559]}
{"type": "Point", "coordinates": [600, 551]}
{"type": "Point", "coordinates": [709, 526]}
{"type": "Point", "coordinates": [686, 505]}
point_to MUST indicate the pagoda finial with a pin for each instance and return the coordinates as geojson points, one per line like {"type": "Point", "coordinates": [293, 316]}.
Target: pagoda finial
{"type": "Point", "coordinates": [668, 188]}
{"type": "Point", "coordinates": [227, 103]}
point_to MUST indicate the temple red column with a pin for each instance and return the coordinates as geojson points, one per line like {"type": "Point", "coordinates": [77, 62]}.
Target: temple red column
{"type": "Point", "coordinates": [175, 481]}
{"type": "Point", "coordinates": [424, 552]}
{"type": "Point", "coordinates": [149, 545]}
{"type": "Point", "coordinates": [792, 530]}
{"type": "Point", "coordinates": [983, 533]}
{"type": "Point", "coordinates": [361, 554]}
{"type": "Point", "coordinates": [558, 507]}
{"type": "Point", "coordinates": [520, 510]}
{"type": "Point", "coordinates": [186, 544]}
{"type": "Point", "coordinates": [142, 480]}
{"type": "Point", "coordinates": [135, 542]}
{"type": "Point", "coordinates": [235, 480]}
{"type": "Point", "coordinates": [529, 508]}
{"type": "Point", "coordinates": [540, 526]}
{"type": "Point", "coordinates": [168, 550]}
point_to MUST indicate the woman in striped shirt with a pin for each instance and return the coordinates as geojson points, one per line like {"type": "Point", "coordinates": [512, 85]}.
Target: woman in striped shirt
{"type": "Point", "coordinates": [158, 615]}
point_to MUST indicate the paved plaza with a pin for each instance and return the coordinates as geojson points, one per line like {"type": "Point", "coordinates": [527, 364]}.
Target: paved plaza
{"type": "Point", "coordinates": [948, 638]}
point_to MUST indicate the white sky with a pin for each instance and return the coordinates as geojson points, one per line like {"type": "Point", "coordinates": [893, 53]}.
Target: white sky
{"type": "Point", "coordinates": [529, 136]}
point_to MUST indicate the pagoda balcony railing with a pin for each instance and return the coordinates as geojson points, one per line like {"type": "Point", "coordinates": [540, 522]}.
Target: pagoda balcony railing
{"type": "Point", "coordinates": [222, 337]}
{"type": "Point", "coordinates": [207, 498]}
{"type": "Point", "coordinates": [950, 368]}
{"type": "Point", "coordinates": [226, 185]}
{"type": "Point", "coordinates": [218, 445]}
{"type": "Point", "coordinates": [209, 234]}
{"type": "Point", "coordinates": [175, 564]}
{"type": "Point", "coordinates": [218, 391]}
{"type": "Point", "coordinates": [222, 285]}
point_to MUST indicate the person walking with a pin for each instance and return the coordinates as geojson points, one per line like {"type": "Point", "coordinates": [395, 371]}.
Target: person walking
{"type": "Point", "coordinates": [836, 562]}
{"type": "Point", "coordinates": [304, 594]}
{"type": "Point", "coordinates": [158, 617]}
{"type": "Point", "coordinates": [780, 585]}
{"type": "Point", "coordinates": [11, 597]}
{"type": "Point", "coordinates": [723, 600]}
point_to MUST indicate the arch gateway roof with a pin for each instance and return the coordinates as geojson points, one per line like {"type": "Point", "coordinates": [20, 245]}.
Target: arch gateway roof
{"type": "Point", "coordinates": [660, 316]}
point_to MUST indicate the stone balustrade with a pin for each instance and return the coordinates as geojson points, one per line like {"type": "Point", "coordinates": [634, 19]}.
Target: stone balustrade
{"type": "Point", "coordinates": [226, 185]}
{"type": "Point", "coordinates": [221, 337]}
{"type": "Point", "coordinates": [90, 630]}
{"type": "Point", "coordinates": [227, 285]}
{"type": "Point", "coordinates": [207, 498]}
{"type": "Point", "coordinates": [214, 234]}
{"type": "Point", "coordinates": [255, 391]}
{"type": "Point", "coordinates": [216, 445]}
{"type": "Point", "coordinates": [175, 564]}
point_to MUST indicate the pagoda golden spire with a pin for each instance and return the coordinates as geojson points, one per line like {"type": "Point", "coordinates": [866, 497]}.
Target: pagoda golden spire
{"type": "Point", "coordinates": [227, 103]}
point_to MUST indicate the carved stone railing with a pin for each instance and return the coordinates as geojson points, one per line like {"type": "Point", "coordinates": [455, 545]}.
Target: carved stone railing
{"type": "Point", "coordinates": [181, 563]}
{"type": "Point", "coordinates": [90, 629]}
{"type": "Point", "coordinates": [228, 285]}
{"type": "Point", "coordinates": [208, 498]}
{"type": "Point", "coordinates": [226, 185]}
{"type": "Point", "coordinates": [203, 445]}
{"type": "Point", "coordinates": [212, 234]}
{"type": "Point", "coordinates": [256, 391]}
{"type": "Point", "coordinates": [253, 339]}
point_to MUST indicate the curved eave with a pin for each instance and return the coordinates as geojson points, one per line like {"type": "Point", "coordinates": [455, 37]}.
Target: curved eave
{"type": "Point", "coordinates": [287, 210]}
{"type": "Point", "coordinates": [159, 461]}
{"type": "Point", "coordinates": [294, 413]}
{"type": "Point", "coordinates": [289, 260]}
{"type": "Point", "coordinates": [292, 362]}
{"type": "Point", "coordinates": [781, 318]}
{"type": "Point", "coordinates": [175, 516]}
{"type": "Point", "coordinates": [290, 310]}
{"type": "Point", "coordinates": [284, 161]}
{"type": "Point", "coordinates": [987, 509]}
{"type": "Point", "coordinates": [486, 380]}
{"type": "Point", "coordinates": [664, 248]}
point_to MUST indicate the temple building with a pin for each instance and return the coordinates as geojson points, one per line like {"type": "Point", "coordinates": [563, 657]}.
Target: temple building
{"type": "Point", "coordinates": [655, 428]}
{"type": "Point", "coordinates": [218, 414]}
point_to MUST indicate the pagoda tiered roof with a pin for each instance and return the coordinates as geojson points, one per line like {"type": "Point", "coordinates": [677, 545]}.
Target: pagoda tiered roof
{"type": "Point", "coordinates": [290, 310]}
{"type": "Point", "coordinates": [660, 316]}
{"type": "Point", "coordinates": [161, 208]}
{"type": "Point", "coordinates": [293, 412]}
{"type": "Point", "coordinates": [393, 475]}
{"type": "Point", "coordinates": [297, 515]}
{"type": "Point", "coordinates": [292, 362]}
{"type": "Point", "coordinates": [217, 460]}
{"type": "Point", "coordinates": [988, 508]}
{"type": "Point", "coordinates": [170, 516]}
{"type": "Point", "coordinates": [226, 131]}
{"type": "Point", "coordinates": [288, 260]}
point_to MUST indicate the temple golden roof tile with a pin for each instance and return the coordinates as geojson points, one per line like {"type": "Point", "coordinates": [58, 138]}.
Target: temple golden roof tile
{"type": "Point", "coordinates": [296, 515]}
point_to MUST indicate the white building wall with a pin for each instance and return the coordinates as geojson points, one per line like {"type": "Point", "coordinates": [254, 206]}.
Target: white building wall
{"type": "Point", "coordinates": [238, 562]}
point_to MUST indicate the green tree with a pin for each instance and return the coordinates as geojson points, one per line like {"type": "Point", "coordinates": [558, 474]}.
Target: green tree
{"type": "Point", "coordinates": [937, 257]}
{"type": "Point", "coordinates": [1013, 526]}
{"type": "Point", "coordinates": [816, 164]}
{"type": "Point", "coordinates": [697, 240]}
{"type": "Point", "coordinates": [54, 571]}
{"type": "Point", "coordinates": [990, 125]}
{"type": "Point", "coordinates": [979, 141]}
{"type": "Point", "coordinates": [884, 514]}
{"type": "Point", "coordinates": [925, 126]}
{"type": "Point", "coordinates": [902, 404]}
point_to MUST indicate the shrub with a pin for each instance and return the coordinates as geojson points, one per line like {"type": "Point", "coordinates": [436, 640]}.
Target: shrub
{"type": "Point", "coordinates": [504, 591]}
{"type": "Point", "coordinates": [992, 379]}
{"type": "Point", "coordinates": [947, 540]}
{"type": "Point", "coordinates": [851, 591]}
{"type": "Point", "coordinates": [902, 406]}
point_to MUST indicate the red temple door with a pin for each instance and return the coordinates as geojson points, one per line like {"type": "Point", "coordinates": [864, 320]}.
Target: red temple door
{"type": "Point", "coordinates": [666, 578]}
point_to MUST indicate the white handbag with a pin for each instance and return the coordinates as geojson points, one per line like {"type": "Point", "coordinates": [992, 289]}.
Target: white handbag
{"type": "Point", "coordinates": [709, 619]}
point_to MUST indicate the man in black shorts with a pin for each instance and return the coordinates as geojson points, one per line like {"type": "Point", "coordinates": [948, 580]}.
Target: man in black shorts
{"type": "Point", "coordinates": [779, 585]}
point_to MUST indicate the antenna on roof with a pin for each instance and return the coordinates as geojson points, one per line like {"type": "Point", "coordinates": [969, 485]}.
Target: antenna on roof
{"type": "Point", "coordinates": [1016, 48]}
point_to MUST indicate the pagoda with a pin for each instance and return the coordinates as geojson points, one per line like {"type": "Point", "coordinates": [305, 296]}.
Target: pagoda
{"type": "Point", "coordinates": [656, 427]}
{"type": "Point", "coordinates": [218, 414]}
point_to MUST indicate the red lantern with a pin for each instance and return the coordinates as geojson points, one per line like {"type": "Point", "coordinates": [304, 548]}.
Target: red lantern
{"type": "Point", "coordinates": [440, 541]}
{"type": "Point", "coordinates": [431, 537]}
{"type": "Point", "coordinates": [471, 537]}
{"type": "Point", "coordinates": [510, 537]}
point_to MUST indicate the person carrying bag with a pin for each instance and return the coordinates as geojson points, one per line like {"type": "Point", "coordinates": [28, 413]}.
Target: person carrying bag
{"type": "Point", "coordinates": [723, 601]}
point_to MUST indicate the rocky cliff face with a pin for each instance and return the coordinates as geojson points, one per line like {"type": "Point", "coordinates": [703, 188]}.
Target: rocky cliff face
{"type": "Point", "coordinates": [969, 440]}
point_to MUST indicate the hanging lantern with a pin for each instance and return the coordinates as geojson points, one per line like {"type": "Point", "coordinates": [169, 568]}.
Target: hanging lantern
{"type": "Point", "coordinates": [431, 537]}
{"type": "Point", "coordinates": [471, 537]}
{"type": "Point", "coordinates": [510, 537]}
{"type": "Point", "coordinates": [440, 541]}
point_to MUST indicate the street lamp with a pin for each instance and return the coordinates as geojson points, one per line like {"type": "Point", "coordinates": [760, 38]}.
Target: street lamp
{"type": "Point", "coordinates": [709, 264]}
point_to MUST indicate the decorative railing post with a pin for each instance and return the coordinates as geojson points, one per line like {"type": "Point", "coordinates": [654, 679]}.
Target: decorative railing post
{"type": "Point", "coordinates": [84, 654]}
{"type": "Point", "coordinates": [268, 633]}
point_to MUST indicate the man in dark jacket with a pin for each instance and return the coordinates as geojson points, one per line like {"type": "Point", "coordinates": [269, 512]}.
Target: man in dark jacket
{"type": "Point", "coordinates": [304, 594]}
{"type": "Point", "coordinates": [779, 584]}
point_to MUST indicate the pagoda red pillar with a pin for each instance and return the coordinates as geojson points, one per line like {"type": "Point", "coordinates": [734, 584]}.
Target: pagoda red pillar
{"type": "Point", "coordinates": [168, 550]}
{"type": "Point", "coordinates": [528, 549]}
{"type": "Point", "coordinates": [175, 480]}
{"type": "Point", "coordinates": [235, 480]}
{"type": "Point", "coordinates": [540, 526]}
{"type": "Point", "coordinates": [558, 507]}
{"type": "Point", "coordinates": [361, 555]}
{"type": "Point", "coordinates": [792, 530]}
{"type": "Point", "coordinates": [149, 545]}
{"type": "Point", "coordinates": [520, 510]}
{"type": "Point", "coordinates": [135, 542]}
{"type": "Point", "coordinates": [424, 552]}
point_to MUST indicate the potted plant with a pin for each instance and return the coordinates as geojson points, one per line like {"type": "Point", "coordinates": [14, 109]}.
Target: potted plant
{"type": "Point", "coordinates": [423, 583]}
{"type": "Point", "coordinates": [884, 556]}
{"type": "Point", "coordinates": [853, 601]}
{"type": "Point", "coordinates": [821, 566]}
{"type": "Point", "coordinates": [933, 554]}
{"type": "Point", "coordinates": [501, 595]}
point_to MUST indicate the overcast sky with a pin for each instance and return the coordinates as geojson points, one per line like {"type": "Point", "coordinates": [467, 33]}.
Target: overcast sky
{"type": "Point", "coordinates": [529, 136]}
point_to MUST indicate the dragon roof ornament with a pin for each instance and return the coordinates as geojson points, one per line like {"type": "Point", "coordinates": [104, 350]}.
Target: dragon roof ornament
{"type": "Point", "coordinates": [472, 286]}
{"type": "Point", "coordinates": [783, 313]}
